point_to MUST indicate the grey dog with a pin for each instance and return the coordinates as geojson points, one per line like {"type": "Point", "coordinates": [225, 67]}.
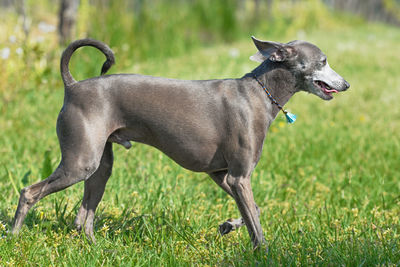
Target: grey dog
{"type": "Point", "coordinates": [212, 126]}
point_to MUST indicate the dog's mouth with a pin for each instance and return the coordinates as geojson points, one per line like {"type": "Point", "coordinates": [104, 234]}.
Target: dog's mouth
{"type": "Point", "coordinates": [325, 88]}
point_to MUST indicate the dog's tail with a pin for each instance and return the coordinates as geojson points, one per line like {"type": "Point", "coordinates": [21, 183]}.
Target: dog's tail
{"type": "Point", "coordinates": [66, 56]}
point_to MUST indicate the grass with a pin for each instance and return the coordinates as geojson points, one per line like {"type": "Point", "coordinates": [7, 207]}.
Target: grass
{"type": "Point", "coordinates": [327, 186]}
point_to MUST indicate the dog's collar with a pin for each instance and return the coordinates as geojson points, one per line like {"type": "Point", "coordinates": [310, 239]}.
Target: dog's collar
{"type": "Point", "coordinates": [290, 118]}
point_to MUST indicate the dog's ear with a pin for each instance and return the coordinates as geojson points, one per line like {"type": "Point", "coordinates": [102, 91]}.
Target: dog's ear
{"type": "Point", "coordinates": [274, 51]}
{"type": "Point", "coordinates": [258, 57]}
{"type": "Point", "coordinates": [282, 54]}
{"type": "Point", "coordinates": [265, 49]}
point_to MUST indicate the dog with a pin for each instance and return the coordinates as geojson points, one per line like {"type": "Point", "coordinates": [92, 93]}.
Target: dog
{"type": "Point", "coordinates": [212, 126]}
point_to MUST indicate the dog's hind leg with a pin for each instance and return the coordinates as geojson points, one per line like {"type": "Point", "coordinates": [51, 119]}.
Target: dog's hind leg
{"type": "Point", "coordinates": [81, 155]}
{"type": "Point", "coordinates": [60, 179]}
{"type": "Point", "coordinates": [230, 224]}
{"type": "Point", "coordinates": [93, 192]}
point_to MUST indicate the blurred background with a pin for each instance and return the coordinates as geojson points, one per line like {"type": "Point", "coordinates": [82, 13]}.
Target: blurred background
{"type": "Point", "coordinates": [328, 186]}
{"type": "Point", "coordinates": [140, 30]}
{"type": "Point", "coordinates": [33, 33]}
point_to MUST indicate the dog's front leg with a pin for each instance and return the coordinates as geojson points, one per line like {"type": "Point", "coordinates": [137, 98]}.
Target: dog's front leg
{"type": "Point", "coordinates": [230, 224]}
{"type": "Point", "coordinates": [243, 195]}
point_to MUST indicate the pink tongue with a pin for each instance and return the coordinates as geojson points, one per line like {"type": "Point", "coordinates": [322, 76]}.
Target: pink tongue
{"type": "Point", "coordinates": [331, 91]}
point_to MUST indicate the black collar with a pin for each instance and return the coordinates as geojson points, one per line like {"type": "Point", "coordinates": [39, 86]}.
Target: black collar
{"type": "Point", "coordinates": [290, 118]}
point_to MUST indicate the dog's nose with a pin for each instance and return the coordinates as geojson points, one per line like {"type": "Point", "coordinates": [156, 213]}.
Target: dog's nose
{"type": "Point", "coordinates": [346, 84]}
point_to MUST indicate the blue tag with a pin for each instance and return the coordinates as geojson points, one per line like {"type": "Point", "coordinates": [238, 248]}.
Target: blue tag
{"type": "Point", "coordinates": [290, 118]}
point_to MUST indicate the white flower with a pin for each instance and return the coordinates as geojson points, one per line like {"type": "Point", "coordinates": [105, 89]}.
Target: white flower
{"type": "Point", "coordinates": [234, 52]}
{"type": "Point", "coordinates": [39, 39]}
{"type": "Point", "coordinates": [5, 53]}
{"type": "Point", "coordinates": [19, 51]}
{"type": "Point", "coordinates": [45, 27]}
{"type": "Point", "coordinates": [12, 39]}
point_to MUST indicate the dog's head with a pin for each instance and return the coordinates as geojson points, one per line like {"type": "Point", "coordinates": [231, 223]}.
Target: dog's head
{"type": "Point", "coordinates": [307, 63]}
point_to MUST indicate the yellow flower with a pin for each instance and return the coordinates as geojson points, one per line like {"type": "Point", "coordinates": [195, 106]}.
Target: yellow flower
{"type": "Point", "coordinates": [386, 233]}
{"type": "Point", "coordinates": [336, 224]}
{"type": "Point", "coordinates": [322, 188]}
{"type": "Point", "coordinates": [2, 226]}
{"type": "Point", "coordinates": [104, 229]}
{"type": "Point", "coordinates": [291, 190]}
{"type": "Point", "coordinates": [274, 129]}
{"type": "Point", "coordinates": [375, 211]}
{"type": "Point", "coordinates": [355, 212]}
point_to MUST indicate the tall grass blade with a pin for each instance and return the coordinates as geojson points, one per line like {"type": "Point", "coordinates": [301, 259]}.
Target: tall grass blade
{"type": "Point", "coordinates": [11, 178]}
{"type": "Point", "coordinates": [46, 167]}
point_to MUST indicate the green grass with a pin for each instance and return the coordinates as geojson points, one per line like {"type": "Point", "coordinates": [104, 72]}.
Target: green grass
{"type": "Point", "coordinates": [328, 186]}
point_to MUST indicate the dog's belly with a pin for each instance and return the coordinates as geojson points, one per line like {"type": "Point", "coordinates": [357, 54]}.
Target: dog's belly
{"type": "Point", "coordinates": [195, 153]}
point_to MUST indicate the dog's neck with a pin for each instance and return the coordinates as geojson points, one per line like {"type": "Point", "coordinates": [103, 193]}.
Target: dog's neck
{"type": "Point", "coordinates": [280, 83]}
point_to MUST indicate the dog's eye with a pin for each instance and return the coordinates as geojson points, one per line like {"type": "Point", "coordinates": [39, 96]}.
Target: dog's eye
{"type": "Point", "coordinates": [323, 62]}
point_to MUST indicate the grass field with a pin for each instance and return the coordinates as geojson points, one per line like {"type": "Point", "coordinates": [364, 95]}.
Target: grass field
{"type": "Point", "coordinates": [328, 186]}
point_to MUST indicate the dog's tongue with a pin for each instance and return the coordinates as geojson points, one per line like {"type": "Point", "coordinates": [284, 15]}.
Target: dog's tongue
{"type": "Point", "coordinates": [331, 91]}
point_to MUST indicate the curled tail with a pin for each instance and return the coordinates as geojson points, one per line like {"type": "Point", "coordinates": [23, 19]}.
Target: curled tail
{"type": "Point", "coordinates": [66, 56]}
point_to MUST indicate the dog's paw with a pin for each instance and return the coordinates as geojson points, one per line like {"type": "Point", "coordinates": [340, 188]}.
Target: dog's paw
{"type": "Point", "coordinates": [226, 228]}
